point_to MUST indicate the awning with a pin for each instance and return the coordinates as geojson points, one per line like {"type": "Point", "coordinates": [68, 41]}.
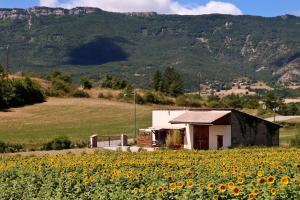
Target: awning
{"type": "Point", "coordinates": [158, 128]}
{"type": "Point", "coordinates": [199, 117]}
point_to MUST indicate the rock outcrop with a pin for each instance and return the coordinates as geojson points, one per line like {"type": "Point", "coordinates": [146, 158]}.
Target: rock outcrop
{"type": "Point", "coordinates": [15, 14]}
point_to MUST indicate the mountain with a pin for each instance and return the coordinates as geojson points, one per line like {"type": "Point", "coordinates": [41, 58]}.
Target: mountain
{"type": "Point", "coordinates": [89, 41]}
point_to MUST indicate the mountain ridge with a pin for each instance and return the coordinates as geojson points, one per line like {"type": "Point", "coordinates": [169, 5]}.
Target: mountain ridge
{"type": "Point", "coordinates": [90, 41]}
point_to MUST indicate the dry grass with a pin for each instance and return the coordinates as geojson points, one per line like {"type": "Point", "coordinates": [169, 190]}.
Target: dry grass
{"type": "Point", "coordinates": [76, 118]}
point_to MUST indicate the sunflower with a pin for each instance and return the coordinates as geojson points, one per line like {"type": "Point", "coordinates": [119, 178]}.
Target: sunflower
{"type": "Point", "coordinates": [251, 196]}
{"type": "Point", "coordinates": [215, 197]}
{"type": "Point", "coordinates": [285, 180]}
{"type": "Point", "coordinates": [190, 183]}
{"type": "Point", "coordinates": [172, 186]}
{"type": "Point", "coordinates": [298, 166]}
{"type": "Point", "coordinates": [273, 191]}
{"type": "Point", "coordinates": [135, 190]}
{"type": "Point", "coordinates": [160, 189]}
{"type": "Point", "coordinates": [254, 183]}
{"type": "Point", "coordinates": [262, 181]}
{"type": "Point", "coordinates": [260, 173]}
{"type": "Point", "coordinates": [255, 191]}
{"type": "Point", "coordinates": [271, 179]}
{"type": "Point", "coordinates": [150, 189]}
{"type": "Point", "coordinates": [210, 186]}
{"type": "Point", "coordinates": [222, 188]}
{"type": "Point", "coordinates": [230, 184]}
{"type": "Point", "coordinates": [240, 180]}
{"type": "Point", "coordinates": [180, 184]}
{"type": "Point", "coordinates": [235, 191]}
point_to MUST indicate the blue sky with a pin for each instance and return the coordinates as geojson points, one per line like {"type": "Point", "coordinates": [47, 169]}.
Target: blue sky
{"type": "Point", "coordinates": [251, 7]}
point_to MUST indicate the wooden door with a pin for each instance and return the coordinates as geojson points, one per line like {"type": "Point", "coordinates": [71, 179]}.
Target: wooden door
{"type": "Point", "coordinates": [220, 141]}
{"type": "Point", "coordinates": [201, 137]}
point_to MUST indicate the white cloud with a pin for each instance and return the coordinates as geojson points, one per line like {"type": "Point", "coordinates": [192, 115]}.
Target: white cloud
{"type": "Point", "coordinates": [160, 6]}
{"type": "Point", "coordinates": [296, 13]}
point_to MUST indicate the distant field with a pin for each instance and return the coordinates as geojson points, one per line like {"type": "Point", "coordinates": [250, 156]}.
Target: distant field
{"type": "Point", "coordinates": [290, 131]}
{"type": "Point", "coordinates": [76, 118]}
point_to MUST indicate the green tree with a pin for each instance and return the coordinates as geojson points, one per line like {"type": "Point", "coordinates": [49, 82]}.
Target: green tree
{"type": "Point", "coordinates": [86, 83]}
{"type": "Point", "coordinates": [157, 81]}
{"type": "Point", "coordinates": [172, 83]}
{"type": "Point", "coordinates": [6, 89]}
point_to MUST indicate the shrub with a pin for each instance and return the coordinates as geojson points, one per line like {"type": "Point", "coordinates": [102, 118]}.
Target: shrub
{"type": "Point", "coordinates": [149, 97]}
{"type": "Point", "coordinates": [10, 148]}
{"type": "Point", "coordinates": [174, 139]}
{"type": "Point", "coordinates": [86, 83]}
{"type": "Point", "coordinates": [182, 101]}
{"type": "Point", "coordinates": [295, 142]}
{"type": "Point", "coordinates": [59, 143]}
{"type": "Point", "coordinates": [80, 94]}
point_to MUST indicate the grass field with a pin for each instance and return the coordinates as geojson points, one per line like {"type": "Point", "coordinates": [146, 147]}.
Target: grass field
{"type": "Point", "coordinates": [289, 131]}
{"type": "Point", "coordinates": [76, 118]}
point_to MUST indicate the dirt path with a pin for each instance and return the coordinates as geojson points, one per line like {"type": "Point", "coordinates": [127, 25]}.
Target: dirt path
{"type": "Point", "coordinates": [282, 118]}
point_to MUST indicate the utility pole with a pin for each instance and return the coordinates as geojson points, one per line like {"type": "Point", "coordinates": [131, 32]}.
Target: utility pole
{"type": "Point", "coordinates": [7, 57]}
{"type": "Point", "coordinates": [199, 83]}
{"type": "Point", "coordinates": [135, 113]}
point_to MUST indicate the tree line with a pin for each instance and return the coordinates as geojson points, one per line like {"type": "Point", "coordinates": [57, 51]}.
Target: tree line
{"type": "Point", "coordinates": [15, 92]}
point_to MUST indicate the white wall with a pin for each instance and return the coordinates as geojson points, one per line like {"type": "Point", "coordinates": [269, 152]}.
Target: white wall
{"type": "Point", "coordinates": [161, 118]}
{"type": "Point", "coordinates": [189, 137]}
{"type": "Point", "coordinates": [216, 130]}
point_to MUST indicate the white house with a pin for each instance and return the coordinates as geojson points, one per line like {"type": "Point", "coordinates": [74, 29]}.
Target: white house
{"type": "Point", "coordinates": [211, 128]}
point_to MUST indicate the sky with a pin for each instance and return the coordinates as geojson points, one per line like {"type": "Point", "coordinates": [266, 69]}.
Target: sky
{"type": "Point", "coordinates": [267, 8]}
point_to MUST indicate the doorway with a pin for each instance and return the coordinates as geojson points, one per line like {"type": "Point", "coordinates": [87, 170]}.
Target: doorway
{"type": "Point", "coordinates": [201, 137]}
{"type": "Point", "coordinates": [220, 141]}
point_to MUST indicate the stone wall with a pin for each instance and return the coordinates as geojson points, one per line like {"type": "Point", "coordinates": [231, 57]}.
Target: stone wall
{"type": "Point", "coordinates": [248, 130]}
{"type": "Point", "coordinates": [144, 140]}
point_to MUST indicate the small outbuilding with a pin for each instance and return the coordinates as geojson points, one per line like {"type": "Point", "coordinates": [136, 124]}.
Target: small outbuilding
{"type": "Point", "coordinates": [209, 129]}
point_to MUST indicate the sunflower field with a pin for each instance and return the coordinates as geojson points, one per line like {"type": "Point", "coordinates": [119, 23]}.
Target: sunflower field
{"type": "Point", "coordinates": [254, 173]}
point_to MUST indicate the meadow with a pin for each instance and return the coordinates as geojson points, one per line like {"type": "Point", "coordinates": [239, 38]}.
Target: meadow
{"type": "Point", "coordinates": [76, 118]}
{"type": "Point", "coordinates": [254, 173]}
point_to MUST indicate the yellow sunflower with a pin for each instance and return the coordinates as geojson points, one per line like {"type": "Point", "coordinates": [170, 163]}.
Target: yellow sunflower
{"type": "Point", "coordinates": [273, 191]}
{"type": "Point", "coordinates": [135, 190]}
{"type": "Point", "coordinates": [271, 179]}
{"type": "Point", "coordinates": [255, 191]}
{"type": "Point", "coordinates": [262, 181]}
{"type": "Point", "coordinates": [230, 184]}
{"type": "Point", "coordinates": [190, 183]}
{"type": "Point", "coordinates": [222, 188]}
{"type": "Point", "coordinates": [215, 197]}
{"type": "Point", "coordinates": [150, 189]}
{"type": "Point", "coordinates": [160, 189]}
{"type": "Point", "coordinates": [240, 180]}
{"type": "Point", "coordinates": [172, 186]}
{"type": "Point", "coordinates": [235, 191]}
{"type": "Point", "coordinates": [180, 184]}
{"type": "Point", "coordinates": [210, 186]}
{"type": "Point", "coordinates": [260, 173]}
{"type": "Point", "coordinates": [285, 180]}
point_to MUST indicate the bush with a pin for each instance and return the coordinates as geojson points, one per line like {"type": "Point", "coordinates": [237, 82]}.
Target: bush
{"type": "Point", "coordinates": [59, 143]}
{"type": "Point", "coordinates": [86, 83]}
{"type": "Point", "coordinates": [10, 148]}
{"type": "Point", "coordinates": [80, 94]}
{"type": "Point", "coordinates": [295, 142]}
{"type": "Point", "coordinates": [174, 139]}
{"type": "Point", "coordinates": [149, 97]}
{"type": "Point", "coordinates": [182, 101]}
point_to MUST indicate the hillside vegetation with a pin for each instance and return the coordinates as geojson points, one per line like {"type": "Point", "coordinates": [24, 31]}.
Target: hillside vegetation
{"type": "Point", "coordinates": [221, 47]}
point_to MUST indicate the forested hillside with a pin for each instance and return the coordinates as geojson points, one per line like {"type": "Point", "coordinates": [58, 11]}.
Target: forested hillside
{"type": "Point", "coordinates": [86, 41]}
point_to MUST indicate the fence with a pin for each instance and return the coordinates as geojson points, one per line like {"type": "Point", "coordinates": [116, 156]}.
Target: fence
{"type": "Point", "coordinates": [108, 141]}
